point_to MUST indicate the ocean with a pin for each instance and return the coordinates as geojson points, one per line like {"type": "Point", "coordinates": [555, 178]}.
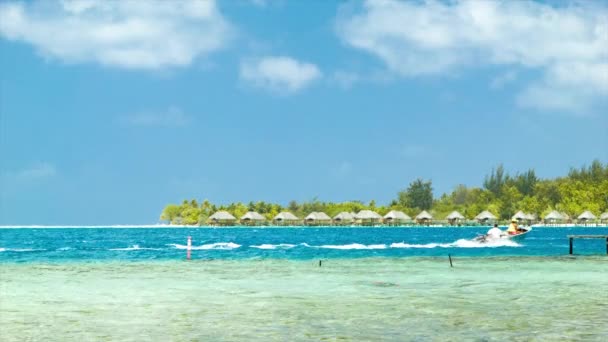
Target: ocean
{"type": "Point", "coordinates": [300, 284]}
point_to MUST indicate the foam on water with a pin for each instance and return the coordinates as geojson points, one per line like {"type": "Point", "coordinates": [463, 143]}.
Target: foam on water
{"type": "Point", "coordinates": [271, 246]}
{"type": "Point", "coordinates": [22, 249]}
{"type": "Point", "coordinates": [134, 248]}
{"type": "Point", "coordinates": [217, 245]}
{"type": "Point", "coordinates": [353, 246]}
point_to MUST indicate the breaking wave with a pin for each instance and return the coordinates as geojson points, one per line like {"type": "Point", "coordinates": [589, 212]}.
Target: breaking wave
{"type": "Point", "coordinates": [269, 246]}
{"type": "Point", "coordinates": [218, 245]}
{"type": "Point", "coordinates": [353, 246]}
{"type": "Point", "coordinates": [134, 248]}
{"type": "Point", "coordinates": [22, 249]}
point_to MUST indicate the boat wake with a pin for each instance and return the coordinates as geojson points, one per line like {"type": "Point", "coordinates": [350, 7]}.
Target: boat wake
{"type": "Point", "coordinates": [462, 243]}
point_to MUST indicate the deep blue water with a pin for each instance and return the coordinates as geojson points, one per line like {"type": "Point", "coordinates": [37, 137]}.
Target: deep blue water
{"type": "Point", "coordinates": [137, 244]}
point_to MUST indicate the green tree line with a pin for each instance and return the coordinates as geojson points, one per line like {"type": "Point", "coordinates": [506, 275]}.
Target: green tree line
{"type": "Point", "coordinates": [502, 194]}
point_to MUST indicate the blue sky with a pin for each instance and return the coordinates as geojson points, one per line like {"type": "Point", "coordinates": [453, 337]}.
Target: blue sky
{"type": "Point", "coordinates": [110, 110]}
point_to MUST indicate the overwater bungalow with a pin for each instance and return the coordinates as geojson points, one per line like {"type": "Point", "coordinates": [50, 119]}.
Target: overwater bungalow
{"type": "Point", "coordinates": [586, 216]}
{"type": "Point", "coordinates": [424, 217]}
{"type": "Point", "coordinates": [531, 218]}
{"type": "Point", "coordinates": [368, 218]}
{"type": "Point", "coordinates": [485, 217]}
{"type": "Point", "coordinates": [520, 216]}
{"type": "Point", "coordinates": [252, 218]}
{"type": "Point", "coordinates": [604, 217]}
{"type": "Point", "coordinates": [222, 218]}
{"type": "Point", "coordinates": [344, 218]}
{"type": "Point", "coordinates": [317, 219]}
{"type": "Point", "coordinates": [554, 217]}
{"type": "Point", "coordinates": [396, 217]}
{"type": "Point", "coordinates": [285, 218]}
{"type": "Point", "coordinates": [455, 218]}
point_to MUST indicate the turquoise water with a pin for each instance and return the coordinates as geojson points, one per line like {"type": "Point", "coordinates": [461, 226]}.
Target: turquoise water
{"type": "Point", "coordinates": [96, 244]}
{"type": "Point", "coordinates": [251, 284]}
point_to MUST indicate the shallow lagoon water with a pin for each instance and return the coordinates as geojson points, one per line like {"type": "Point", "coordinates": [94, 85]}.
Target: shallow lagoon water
{"type": "Point", "coordinates": [491, 294]}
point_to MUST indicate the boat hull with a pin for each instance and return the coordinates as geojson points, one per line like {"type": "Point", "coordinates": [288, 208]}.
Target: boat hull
{"type": "Point", "coordinates": [519, 236]}
{"type": "Point", "coordinates": [516, 237]}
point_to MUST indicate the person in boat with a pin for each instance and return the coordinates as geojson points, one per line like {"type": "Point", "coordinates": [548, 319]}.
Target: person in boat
{"type": "Point", "coordinates": [514, 229]}
{"type": "Point", "coordinates": [494, 233]}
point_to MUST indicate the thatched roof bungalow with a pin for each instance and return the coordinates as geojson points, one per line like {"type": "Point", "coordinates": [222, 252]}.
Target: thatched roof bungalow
{"type": "Point", "coordinates": [604, 217]}
{"type": "Point", "coordinates": [586, 216]}
{"type": "Point", "coordinates": [368, 217]}
{"type": "Point", "coordinates": [285, 218]}
{"type": "Point", "coordinates": [485, 217]}
{"type": "Point", "coordinates": [317, 219]}
{"type": "Point", "coordinates": [222, 218]}
{"type": "Point", "coordinates": [554, 217]}
{"type": "Point", "coordinates": [520, 216]}
{"type": "Point", "coordinates": [396, 217]}
{"type": "Point", "coordinates": [344, 218]}
{"type": "Point", "coordinates": [424, 217]}
{"type": "Point", "coordinates": [454, 217]}
{"type": "Point", "coordinates": [252, 218]}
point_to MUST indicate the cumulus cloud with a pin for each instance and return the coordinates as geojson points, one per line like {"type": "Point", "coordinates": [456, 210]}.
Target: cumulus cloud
{"type": "Point", "coordinates": [172, 117]}
{"type": "Point", "coordinates": [127, 34]}
{"type": "Point", "coordinates": [567, 44]}
{"type": "Point", "coordinates": [279, 73]}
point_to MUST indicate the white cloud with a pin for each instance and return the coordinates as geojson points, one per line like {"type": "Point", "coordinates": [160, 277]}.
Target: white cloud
{"type": "Point", "coordinates": [434, 38]}
{"type": "Point", "coordinates": [279, 73]}
{"type": "Point", "coordinates": [34, 174]}
{"type": "Point", "coordinates": [127, 34]}
{"type": "Point", "coordinates": [172, 117]}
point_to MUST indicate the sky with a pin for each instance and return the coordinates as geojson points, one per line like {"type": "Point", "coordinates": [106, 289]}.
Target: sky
{"type": "Point", "coordinates": [111, 110]}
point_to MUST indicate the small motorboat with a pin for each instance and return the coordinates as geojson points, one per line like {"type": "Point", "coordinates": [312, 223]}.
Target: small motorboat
{"type": "Point", "coordinates": [504, 236]}
{"type": "Point", "coordinates": [520, 235]}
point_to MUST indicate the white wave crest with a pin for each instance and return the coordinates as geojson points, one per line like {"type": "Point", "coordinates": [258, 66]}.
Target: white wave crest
{"type": "Point", "coordinates": [353, 246]}
{"type": "Point", "coordinates": [65, 249]}
{"type": "Point", "coordinates": [134, 248]}
{"type": "Point", "coordinates": [279, 246]}
{"type": "Point", "coordinates": [218, 245]}
{"type": "Point", "coordinates": [22, 249]}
